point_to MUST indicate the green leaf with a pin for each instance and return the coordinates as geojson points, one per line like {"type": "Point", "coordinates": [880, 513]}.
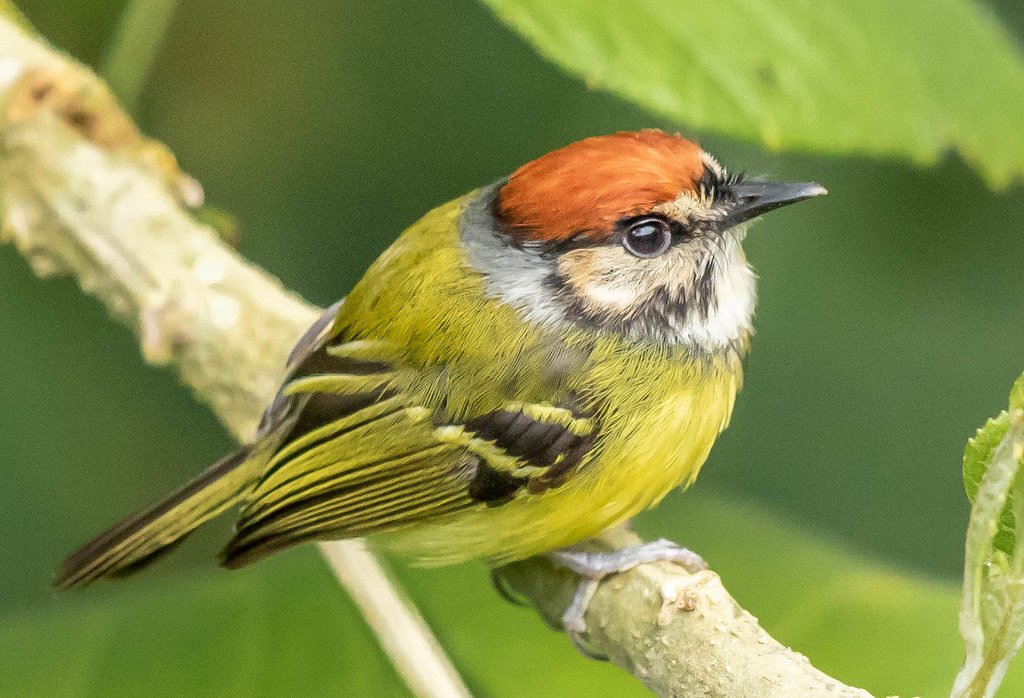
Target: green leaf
{"type": "Point", "coordinates": [857, 76]}
{"type": "Point", "coordinates": [977, 455]}
{"type": "Point", "coordinates": [1017, 394]}
{"type": "Point", "coordinates": [976, 459]}
{"type": "Point", "coordinates": [992, 611]}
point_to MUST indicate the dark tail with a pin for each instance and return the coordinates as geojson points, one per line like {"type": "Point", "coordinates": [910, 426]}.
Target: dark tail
{"type": "Point", "coordinates": [146, 535]}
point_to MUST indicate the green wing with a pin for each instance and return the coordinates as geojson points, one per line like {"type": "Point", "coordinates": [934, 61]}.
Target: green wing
{"type": "Point", "coordinates": [363, 457]}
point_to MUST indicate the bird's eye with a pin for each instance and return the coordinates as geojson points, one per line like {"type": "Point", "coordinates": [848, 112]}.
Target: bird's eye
{"type": "Point", "coordinates": [647, 237]}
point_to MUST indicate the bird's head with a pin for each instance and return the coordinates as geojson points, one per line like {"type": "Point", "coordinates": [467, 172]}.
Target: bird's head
{"type": "Point", "coordinates": [637, 233]}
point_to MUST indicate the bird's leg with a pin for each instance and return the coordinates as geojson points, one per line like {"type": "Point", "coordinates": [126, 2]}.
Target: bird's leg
{"type": "Point", "coordinates": [594, 566]}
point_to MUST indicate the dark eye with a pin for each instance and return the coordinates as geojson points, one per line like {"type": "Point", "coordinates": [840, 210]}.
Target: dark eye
{"type": "Point", "coordinates": [647, 237]}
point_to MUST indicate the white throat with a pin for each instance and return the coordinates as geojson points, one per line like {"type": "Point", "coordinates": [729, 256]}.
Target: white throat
{"type": "Point", "coordinates": [730, 316]}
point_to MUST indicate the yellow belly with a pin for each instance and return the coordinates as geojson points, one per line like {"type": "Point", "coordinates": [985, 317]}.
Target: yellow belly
{"type": "Point", "coordinates": [656, 435]}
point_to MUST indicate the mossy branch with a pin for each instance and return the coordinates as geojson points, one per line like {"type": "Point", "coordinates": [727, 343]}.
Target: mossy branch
{"type": "Point", "coordinates": [83, 193]}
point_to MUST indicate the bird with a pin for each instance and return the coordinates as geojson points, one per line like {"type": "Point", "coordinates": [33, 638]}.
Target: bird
{"type": "Point", "coordinates": [524, 367]}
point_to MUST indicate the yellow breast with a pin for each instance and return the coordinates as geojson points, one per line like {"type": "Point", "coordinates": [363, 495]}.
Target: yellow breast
{"type": "Point", "coordinates": [663, 417]}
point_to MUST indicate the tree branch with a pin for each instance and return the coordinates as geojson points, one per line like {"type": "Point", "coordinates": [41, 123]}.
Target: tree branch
{"type": "Point", "coordinates": [83, 193]}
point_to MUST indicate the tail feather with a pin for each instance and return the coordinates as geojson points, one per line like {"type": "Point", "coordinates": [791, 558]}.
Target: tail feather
{"type": "Point", "coordinates": [145, 536]}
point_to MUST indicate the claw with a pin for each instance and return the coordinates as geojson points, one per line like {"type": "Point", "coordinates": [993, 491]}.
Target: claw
{"type": "Point", "coordinates": [572, 619]}
{"type": "Point", "coordinates": [593, 567]}
{"type": "Point", "coordinates": [574, 624]}
{"type": "Point", "coordinates": [600, 565]}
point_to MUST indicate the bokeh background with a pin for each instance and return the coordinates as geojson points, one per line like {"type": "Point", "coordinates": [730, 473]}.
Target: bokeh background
{"type": "Point", "coordinates": [889, 328]}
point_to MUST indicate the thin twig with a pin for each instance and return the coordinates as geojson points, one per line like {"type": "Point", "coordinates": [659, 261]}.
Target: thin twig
{"type": "Point", "coordinates": [401, 631]}
{"type": "Point", "coordinates": [134, 47]}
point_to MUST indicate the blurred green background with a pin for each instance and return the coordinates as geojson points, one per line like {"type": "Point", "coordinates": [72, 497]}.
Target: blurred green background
{"type": "Point", "coordinates": [888, 330]}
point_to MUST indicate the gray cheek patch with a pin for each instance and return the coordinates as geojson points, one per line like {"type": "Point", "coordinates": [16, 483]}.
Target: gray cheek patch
{"type": "Point", "coordinates": [514, 276]}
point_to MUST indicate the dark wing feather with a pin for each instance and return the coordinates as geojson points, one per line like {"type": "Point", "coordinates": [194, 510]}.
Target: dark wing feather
{"type": "Point", "coordinates": [361, 458]}
{"type": "Point", "coordinates": [555, 447]}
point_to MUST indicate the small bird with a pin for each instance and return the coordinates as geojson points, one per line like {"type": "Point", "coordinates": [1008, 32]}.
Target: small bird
{"type": "Point", "coordinates": [526, 366]}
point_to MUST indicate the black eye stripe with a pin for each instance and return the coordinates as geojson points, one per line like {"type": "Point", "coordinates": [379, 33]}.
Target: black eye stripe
{"type": "Point", "coordinates": [581, 239]}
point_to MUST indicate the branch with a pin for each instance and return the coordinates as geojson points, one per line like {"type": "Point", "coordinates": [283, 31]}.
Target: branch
{"type": "Point", "coordinates": [680, 634]}
{"type": "Point", "coordinates": [83, 193]}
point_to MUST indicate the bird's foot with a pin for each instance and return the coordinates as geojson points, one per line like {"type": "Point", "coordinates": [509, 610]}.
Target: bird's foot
{"type": "Point", "coordinates": [593, 567]}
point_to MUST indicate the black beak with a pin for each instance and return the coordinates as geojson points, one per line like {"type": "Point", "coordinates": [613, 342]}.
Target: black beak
{"type": "Point", "coordinates": [751, 199]}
